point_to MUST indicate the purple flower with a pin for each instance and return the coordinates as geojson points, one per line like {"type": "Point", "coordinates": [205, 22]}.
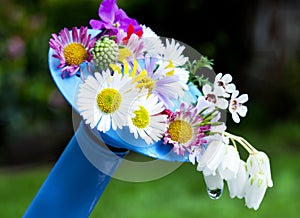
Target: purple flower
{"type": "Point", "coordinates": [112, 18]}
{"type": "Point", "coordinates": [72, 49]}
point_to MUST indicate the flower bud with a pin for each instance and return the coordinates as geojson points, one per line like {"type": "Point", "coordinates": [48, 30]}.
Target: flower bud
{"type": "Point", "coordinates": [105, 52]}
{"type": "Point", "coordinates": [255, 190]}
{"type": "Point", "coordinates": [230, 164]}
{"type": "Point", "coordinates": [214, 184]}
{"type": "Point", "coordinates": [237, 185]}
{"type": "Point", "coordinates": [213, 181]}
{"type": "Point", "coordinates": [259, 163]}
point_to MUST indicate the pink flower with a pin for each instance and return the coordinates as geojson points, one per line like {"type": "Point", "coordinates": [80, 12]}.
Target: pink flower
{"type": "Point", "coordinates": [113, 18]}
{"type": "Point", "coordinates": [184, 132]}
{"type": "Point", "coordinates": [72, 49]}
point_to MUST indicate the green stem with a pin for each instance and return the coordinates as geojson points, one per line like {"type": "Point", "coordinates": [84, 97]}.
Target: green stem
{"type": "Point", "coordinates": [242, 142]}
{"type": "Point", "coordinates": [233, 142]}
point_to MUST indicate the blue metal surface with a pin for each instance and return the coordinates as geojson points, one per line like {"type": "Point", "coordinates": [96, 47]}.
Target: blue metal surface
{"type": "Point", "coordinates": [74, 185]}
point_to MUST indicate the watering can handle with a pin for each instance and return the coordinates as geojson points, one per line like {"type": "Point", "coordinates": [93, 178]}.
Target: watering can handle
{"type": "Point", "coordinates": [74, 185]}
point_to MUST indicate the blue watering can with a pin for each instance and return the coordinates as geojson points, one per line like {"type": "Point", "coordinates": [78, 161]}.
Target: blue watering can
{"type": "Point", "coordinates": [79, 177]}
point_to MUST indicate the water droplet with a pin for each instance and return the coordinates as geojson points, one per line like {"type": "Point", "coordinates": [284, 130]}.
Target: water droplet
{"type": "Point", "coordinates": [214, 193]}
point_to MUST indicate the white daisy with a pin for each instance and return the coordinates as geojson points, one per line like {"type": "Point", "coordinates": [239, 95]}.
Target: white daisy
{"type": "Point", "coordinates": [105, 101]}
{"type": "Point", "coordinates": [183, 76]}
{"type": "Point", "coordinates": [236, 106]}
{"type": "Point", "coordinates": [173, 51]}
{"type": "Point", "coordinates": [152, 42]}
{"type": "Point", "coordinates": [147, 121]}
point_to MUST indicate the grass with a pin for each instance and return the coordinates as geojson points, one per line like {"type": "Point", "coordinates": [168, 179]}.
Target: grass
{"type": "Point", "coordinates": [179, 194]}
{"type": "Point", "coordinates": [183, 193]}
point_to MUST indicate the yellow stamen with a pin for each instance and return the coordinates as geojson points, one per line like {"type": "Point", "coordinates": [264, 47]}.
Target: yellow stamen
{"type": "Point", "coordinates": [144, 82]}
{"type": "Point", "coordinates": [124, 53]}
{"type": "Point", "coordinates": [170, 65]}
{"type": "Point", "coordinates": [141, 76]}
{"type": "Point", "coordinates": [115, 67]}
{"type": "Point", "coordinates": [109, 100]}
{"type": "Point", "coordinates": [126, 67]}
{"type": "Point", "coordinates": [135, 65]}
{"type": "Point", "coordinates": [75, 53]}
{"type": "Point", "coordinates": [142, 118]}
{"type": "Point", "coordinates": [180, 131]}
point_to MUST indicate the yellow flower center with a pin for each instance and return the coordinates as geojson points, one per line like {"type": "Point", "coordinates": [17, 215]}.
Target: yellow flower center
{"type": "Point", "coordinates": [75, 53]}
{"type": "Point", "coordinates": [147, 83]}
{"type": "Point", "coordinates": [180, 131]}
{"type": "Point", "coordinates": [143, 81]}
{"type": "Point", "coordinates": [109, 100]}
{"type": "Point", "coordinates": [142, 118]}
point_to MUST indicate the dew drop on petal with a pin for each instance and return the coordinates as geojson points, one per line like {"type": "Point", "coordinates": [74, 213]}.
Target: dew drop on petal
{"type": "Point", "coordinates": [215, 193]}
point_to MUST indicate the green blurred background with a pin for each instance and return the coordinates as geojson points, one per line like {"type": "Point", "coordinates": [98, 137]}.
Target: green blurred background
{"type": "Point", "coordinates": [257, 42]}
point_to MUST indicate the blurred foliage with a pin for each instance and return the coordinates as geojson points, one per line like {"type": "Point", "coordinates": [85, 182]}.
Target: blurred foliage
{"type": "Point", "coordinates": [33, 115]}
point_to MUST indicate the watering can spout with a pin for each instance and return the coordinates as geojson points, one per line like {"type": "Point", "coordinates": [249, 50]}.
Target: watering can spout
{"type": "Point", "coordinates": [74, 185]}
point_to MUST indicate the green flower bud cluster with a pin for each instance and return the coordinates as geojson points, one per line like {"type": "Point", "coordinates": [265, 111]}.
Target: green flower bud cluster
{"type": "Point", "coordinates": [105, 52]}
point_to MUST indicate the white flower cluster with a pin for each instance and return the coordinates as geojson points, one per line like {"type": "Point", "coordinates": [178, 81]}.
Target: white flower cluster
{"type": "Point", "coordinates": [221, 90]}
{"type": "Point", "coordinates": [249, 180]}
{"type": "Point", "coordinates": [220, 161]}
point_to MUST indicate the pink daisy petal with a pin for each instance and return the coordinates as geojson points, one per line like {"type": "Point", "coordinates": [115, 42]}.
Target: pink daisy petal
{"type": "Point", "coordinates": [75, 39]}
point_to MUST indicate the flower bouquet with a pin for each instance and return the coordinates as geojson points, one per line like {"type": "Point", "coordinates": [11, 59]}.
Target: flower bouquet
{"type": "Point", "coordinates": [138, 91]}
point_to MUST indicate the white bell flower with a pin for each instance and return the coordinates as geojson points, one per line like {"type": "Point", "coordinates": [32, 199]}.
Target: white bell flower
{"type": "Point", "coordinates": [214, 184]}
{"type": "Point", "coordinates": [230, 164]}
{"type": "Point", "coordinates": [259, 163]}
{"type": "Point", "coordinates": [211, 158]}
{"type": "Point", "coordinates": [214, 181]}
{"type": "Point", "coordinates": [255, 190]}
{"type": "Point", "coordinates": [237, 185]}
